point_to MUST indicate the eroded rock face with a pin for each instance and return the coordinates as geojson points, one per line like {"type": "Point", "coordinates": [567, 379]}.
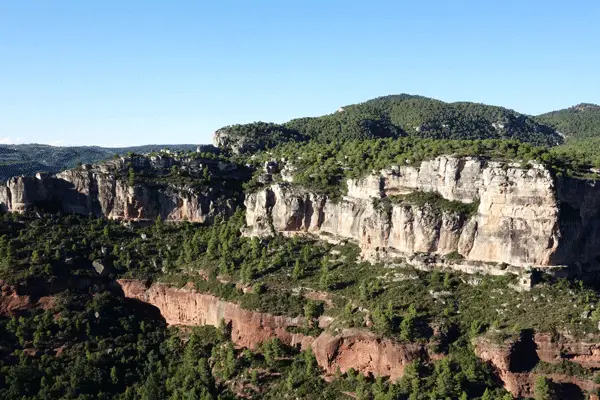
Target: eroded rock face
{"type": "Point", "coordinates": [13, 303]}
{"type": "Point", "coordinates": [364, 352]}
{"type": "Point", "coordinates": [515, 359]}
{"type": "Point", "coordinates": [519, 219]}
{"type": "Point", "coordinates": [360, 350]}
{"type": "Point", "coordinates": [104, 190]}
{"type": "Point", "coordinates": [188, 307]}
{"type": "Point", "coordinates": [555, 348]}
{"type": "Point", "coordinates": [39, 293]}
{"type": "Point", "coordinates": [20, 192]}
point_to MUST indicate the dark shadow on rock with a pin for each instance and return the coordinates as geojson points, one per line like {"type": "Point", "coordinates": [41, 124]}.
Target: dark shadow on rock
{"type": "Point", "coordinates": [579, 222]}
{"type": "Point", "coordinates": [568, 391]}
{"type": "Point", "coordinates": [523, 356]}
{"type": "Point", "coordinates": [142, 308]}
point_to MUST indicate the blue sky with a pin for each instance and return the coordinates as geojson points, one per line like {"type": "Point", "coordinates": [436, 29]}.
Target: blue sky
{"type": "Point", "coordinates": [135, 72]}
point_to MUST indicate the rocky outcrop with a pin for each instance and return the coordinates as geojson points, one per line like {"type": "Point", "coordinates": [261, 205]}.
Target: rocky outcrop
{"type": "Point", "coordinates": [553, 348]}
{"type": "Point", "coordinates": [185, 306]}
{"type": "Point", "coordinates": [21, 192]}
{"type": "Point", "coordinates": [360, 350]}
{"type": "Point", "coordinates": [254, 137]}
{"type": "Point", "coordinates": [365, 352]}
{"type": "Point", "coordinates": [34, 293]}
{"type": "Point", "coordinates": [106, 190]}
{"type": "Point", "coordinates": [515, 360]}
{"type": "Point", "coordinates": [13, 303]}
{"type": "Point", "coordinates": [518, 213]}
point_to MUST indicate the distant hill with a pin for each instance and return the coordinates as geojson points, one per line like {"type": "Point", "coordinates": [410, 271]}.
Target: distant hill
{"type": "Point", "coordinates": [576, 128]}
{"type": "Point", "coordinates": [580, 121]}
{"type": "Point", "coordinates": [395, 116]}
{"type": "Point", "coordinates": [27, 159]}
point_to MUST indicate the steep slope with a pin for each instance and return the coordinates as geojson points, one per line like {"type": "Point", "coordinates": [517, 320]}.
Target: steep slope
{"type": "Point", "coordinates": [490, 211]}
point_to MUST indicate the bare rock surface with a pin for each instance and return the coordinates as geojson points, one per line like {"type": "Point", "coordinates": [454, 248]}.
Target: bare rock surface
{"type": "Point", "coordinates": [524, 216]}
{"type": "Point", "coordinates": [105, 190]}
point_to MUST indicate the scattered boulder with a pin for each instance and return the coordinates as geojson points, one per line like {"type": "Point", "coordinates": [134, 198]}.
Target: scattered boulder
{"type": "Point", "coordinates": [101, 267]}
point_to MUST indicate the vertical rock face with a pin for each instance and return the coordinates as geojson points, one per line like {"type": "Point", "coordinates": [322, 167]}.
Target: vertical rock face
{"type": "Point", "coordinates": [516, 220]}
{"type": "Point", "coordinates": [21, 192]}
{"type": "Point", "coordinates": [579, 202]}
{"type": "Point", "coordinates": [362, 351]}
{"type": "Point", "coordinates": [104, 190]}
{"type": "Point", "coordinates": [555, 348]}
{"type": "Point", "coordinates": [515, 359]}
{"type": "Point", "coordinates": [188, 307]}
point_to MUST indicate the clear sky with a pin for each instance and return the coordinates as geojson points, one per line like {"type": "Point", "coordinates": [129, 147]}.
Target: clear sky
{"type": "Point", "coordinates": [136, 72]}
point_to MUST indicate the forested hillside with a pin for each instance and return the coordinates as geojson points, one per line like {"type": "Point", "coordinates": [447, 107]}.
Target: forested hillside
{"type": "Point", "coordinates": [392, 117]}
{"type": "Point", "coordinates": [580, 121]}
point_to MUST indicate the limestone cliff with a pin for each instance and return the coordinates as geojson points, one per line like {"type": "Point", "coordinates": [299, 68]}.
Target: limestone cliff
{"type": "Point", "coordinates": [518, 213]}
{"type": "Point", "coordinates": [106, 190]}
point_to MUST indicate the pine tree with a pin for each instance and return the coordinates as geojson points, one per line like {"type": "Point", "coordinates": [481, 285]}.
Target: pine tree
{"type": "Point", "coordinates": [114, 375]}
{"type": "Point", "coordinates": [211, 250]}
{"type": "Point", "coordinates": [324, 279]}
{"type": "Point", "coordinates": [543, 389]}
{"type": "Point", "coordinates": [408, 325]}
{"type": "Point", "coordinates": [298, 271]}
{"type": "Point", "coordinates": [131, 177]}
{"type": "Point", "coordinates": [35, 257]}
{"type": "Point", "coordinates": [158, 225]}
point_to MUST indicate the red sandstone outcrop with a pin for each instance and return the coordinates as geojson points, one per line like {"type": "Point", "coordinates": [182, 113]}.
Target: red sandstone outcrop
{"type": "Point", "coordinates": [364, 352]}
{"type": "Point", "coordinates": [352, 348]}
{"type": "Point", "coordinates": [554, 348]}
{"type": "Point", "coordinates": [360, 350]}
{"type": "Point", "coordinates": [12, 303]}
{"type": "Point", "coordinates": [499, 355]}
{"type": "Point", "coordinates": [508, 359]}
{"type": "Point", "coordinates": [188, 307]}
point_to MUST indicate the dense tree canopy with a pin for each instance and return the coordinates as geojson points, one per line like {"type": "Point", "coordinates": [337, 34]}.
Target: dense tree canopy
{"type": "Point", "coordinates": [400, 116]}
{"type": "Point", "coordinates": [580, 121]}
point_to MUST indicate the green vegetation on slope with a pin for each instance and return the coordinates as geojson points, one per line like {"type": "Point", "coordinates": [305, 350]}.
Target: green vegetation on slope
{"type": "Point", "coordinates": [435, 201]}
{"type": "Point", "coordinates": [325, 167]}
{"type": "Point", "coordinates": [149, 362]}
{"type": "Point", "coordinates": [580, 121]}
{"type": "Point", "coordinates": [400, 116]}
{"type": "Point", "coordinates": [442, 310]}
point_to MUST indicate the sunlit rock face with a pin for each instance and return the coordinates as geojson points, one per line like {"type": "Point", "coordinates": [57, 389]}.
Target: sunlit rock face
{"type": "Point", "coordinates": [105, 190]}
{"type": "Point", "coordinates": [521, 216]}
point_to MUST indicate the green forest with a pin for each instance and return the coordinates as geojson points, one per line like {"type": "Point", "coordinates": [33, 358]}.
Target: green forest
{"type": "Point", "coordinates": [402, 116]}
{"type": "Point", "coordinates": [67, 332]}
{"type": "Point", "coordinates": [92, 343]}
